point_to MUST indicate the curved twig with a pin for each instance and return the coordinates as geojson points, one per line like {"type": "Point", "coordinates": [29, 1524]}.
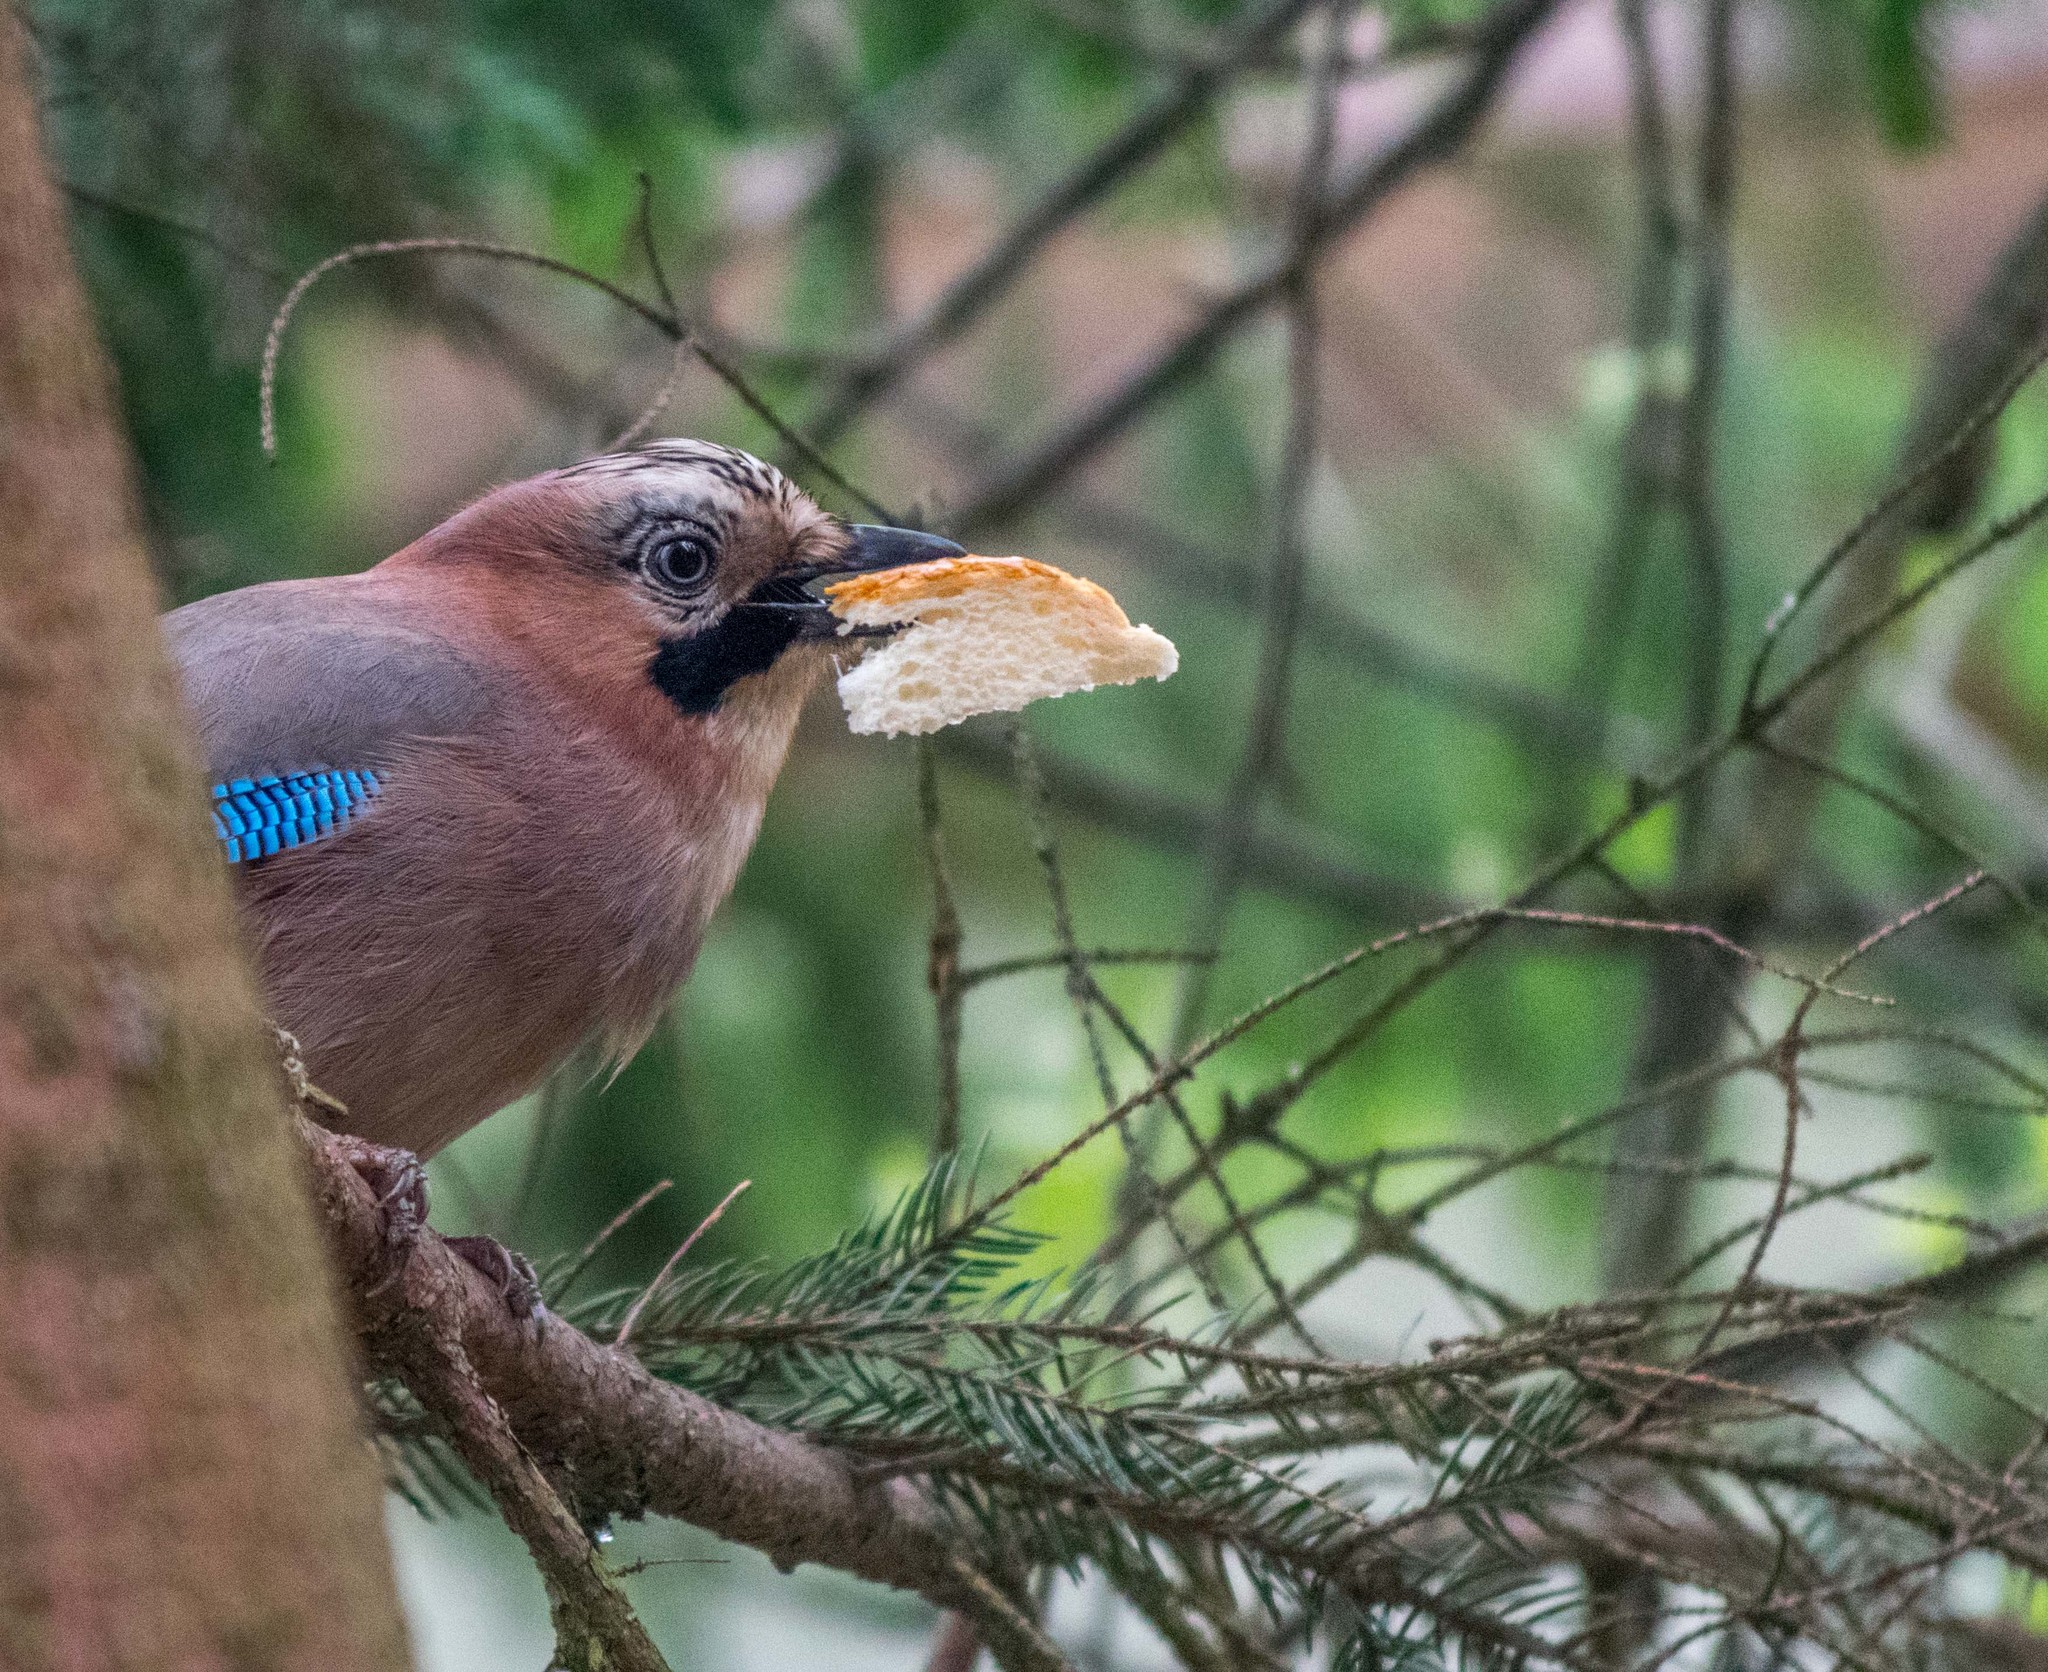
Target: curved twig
{"type": "Point", "coordinates": [669, 324]}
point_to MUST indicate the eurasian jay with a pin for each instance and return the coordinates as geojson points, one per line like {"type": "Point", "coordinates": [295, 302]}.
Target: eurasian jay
{"type": "Point", "coordinates": [483, 799]}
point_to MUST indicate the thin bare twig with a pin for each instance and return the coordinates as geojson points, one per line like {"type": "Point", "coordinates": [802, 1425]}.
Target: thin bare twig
{"type": "Point", "coordinates": [1285, 860]}
{"type": "Point", "coordinates": [1086, 995]}
{"type": "Point", "coordinates": [1128, 150]}
{"type": "Point", "coordinates": [1922, 472]}
{"type": "Point", "coordinates": [943, 974]}
{"type": "Point", "coordinates": [1440, 133]}
{"type": "Point", "coordinates": [1643, 478]}
{"type": "Point", "coordinates": [654, 1284]}
{"type": "Point", "coordinates": [1707, 620]}
{"type": "Point", "coordinates": [1265, 744]}
{"type": "Point", "coordinates": [1646, 1218]}
{"type": "Point", "coordinates": [1859, 634]}
{"type": "Point", "coordinates": [658, 403]}
{"type": "Point", "coordinates": [974, 975]}
{"type": "Point", "coordinates": [1786, 1057]}
{"type": "Point", "coordinates": [669, 325]}
{"type": "Point", "coordinates": [650, 248]}
{"type": "Point", "coordinates": [192, 233]}
{"type": "Point", "coordinates": [619, 1221]}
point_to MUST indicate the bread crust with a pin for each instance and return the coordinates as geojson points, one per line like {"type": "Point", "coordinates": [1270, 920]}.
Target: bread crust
{"type": "Point", "coordinates": [876, 597]}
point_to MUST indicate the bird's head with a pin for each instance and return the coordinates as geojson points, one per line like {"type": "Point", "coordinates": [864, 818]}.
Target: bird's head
{"type": "Point", "coordinates": [692, 561]}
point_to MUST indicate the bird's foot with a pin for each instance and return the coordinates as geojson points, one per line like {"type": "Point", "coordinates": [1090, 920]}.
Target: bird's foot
{"type": "Point", "coordinates": [398, 1179]}
{"type": "Point", "coordinates": [506, 1270]}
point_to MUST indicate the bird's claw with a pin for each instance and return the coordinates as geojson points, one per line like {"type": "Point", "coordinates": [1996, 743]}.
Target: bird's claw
{"type": "Point", "coordinates": [506, 1270]}
{"type": "Point", "coordinates": [398, 1179]}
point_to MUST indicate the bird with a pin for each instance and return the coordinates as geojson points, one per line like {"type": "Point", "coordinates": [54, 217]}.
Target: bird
{"type": "Point", "coordinates": [481, 800]}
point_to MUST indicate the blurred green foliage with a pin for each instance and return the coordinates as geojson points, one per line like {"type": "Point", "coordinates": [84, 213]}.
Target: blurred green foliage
{"type": "Point", "coordinates": [277, 131]}
{"type": "Point", "coordinates": [799, 1056]}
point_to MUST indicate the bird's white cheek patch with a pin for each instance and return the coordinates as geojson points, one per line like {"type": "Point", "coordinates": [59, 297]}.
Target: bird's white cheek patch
{"type": "Point", "coordinates": [984, 635]}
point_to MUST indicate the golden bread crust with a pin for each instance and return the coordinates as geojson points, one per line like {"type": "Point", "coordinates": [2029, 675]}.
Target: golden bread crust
{"type": "Point", "coordinates": [879, 595]}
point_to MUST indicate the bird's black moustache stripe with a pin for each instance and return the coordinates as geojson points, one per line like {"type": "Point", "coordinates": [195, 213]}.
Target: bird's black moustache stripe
{"type": "Point", "coordinates": [695, 673]}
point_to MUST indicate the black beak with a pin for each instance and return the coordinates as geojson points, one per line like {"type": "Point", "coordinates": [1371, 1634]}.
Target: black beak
{"type": "Point", "coordinates": [873, 547]}
{"type": "Point", "coordinates": [877, 547]}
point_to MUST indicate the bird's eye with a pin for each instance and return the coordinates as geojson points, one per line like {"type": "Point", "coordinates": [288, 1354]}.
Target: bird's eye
{"type": "Point", "coordinates": [678, 561]}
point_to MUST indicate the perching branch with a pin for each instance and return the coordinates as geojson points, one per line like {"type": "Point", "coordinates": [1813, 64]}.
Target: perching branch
{"type": "Point", "coordinates": [620, 1443]}
{"type": "Point", "coordinates": [595, 1625]}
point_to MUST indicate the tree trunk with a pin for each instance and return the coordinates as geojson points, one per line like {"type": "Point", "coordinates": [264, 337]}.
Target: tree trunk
{"type": "Point", "coordinates": [182, 1480]}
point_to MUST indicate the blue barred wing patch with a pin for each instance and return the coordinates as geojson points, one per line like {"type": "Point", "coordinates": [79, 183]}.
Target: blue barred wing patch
{"type": "Point", "coordinates": [256, 817]}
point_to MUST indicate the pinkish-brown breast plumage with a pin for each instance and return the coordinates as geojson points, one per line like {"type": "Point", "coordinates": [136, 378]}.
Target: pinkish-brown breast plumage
{"type": "Point", "coordinates": [552, 826]}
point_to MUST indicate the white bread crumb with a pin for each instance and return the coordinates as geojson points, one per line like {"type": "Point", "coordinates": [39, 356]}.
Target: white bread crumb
{"type": "Point", "coordinates": [984, 635]}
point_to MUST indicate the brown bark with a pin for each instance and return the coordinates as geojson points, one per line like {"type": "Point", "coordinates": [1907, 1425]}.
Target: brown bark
{"type": "Point", "coordinates": [182, 1483]}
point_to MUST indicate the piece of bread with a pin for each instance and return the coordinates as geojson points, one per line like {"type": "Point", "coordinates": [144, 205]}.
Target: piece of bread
{"type": "Point", "coordinates": [984, 635]}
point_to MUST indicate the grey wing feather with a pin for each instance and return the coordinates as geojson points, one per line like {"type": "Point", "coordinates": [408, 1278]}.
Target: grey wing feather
{"type": "Point", "coordinates": [293, 674]}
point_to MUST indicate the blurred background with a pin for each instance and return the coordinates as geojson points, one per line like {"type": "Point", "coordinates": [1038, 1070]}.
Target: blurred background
{"type": "Point", "coordinates": [1477, 674]}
